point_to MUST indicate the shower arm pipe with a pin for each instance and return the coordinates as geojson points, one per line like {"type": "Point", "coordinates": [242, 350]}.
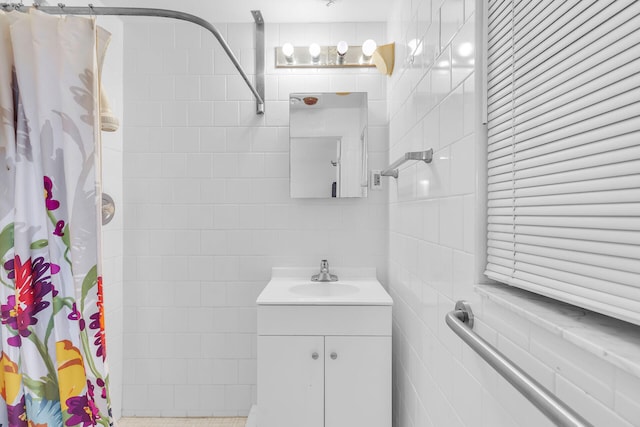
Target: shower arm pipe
{"type": "Point", "coordinates": [461, 320]}
{"type": "Point", "coordinates": [150, 12]}
{"type": "Point", "coordinates": [392, 169]}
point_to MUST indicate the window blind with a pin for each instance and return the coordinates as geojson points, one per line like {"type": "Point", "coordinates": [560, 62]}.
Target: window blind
{"type": "Point", "coordinates": [563, 108]}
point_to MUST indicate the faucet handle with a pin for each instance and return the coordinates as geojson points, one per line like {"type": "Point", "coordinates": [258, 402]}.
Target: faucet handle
{"type": "Point", "coordinates": [324, 265]}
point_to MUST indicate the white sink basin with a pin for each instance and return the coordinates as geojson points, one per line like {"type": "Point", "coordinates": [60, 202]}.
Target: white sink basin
{"type": "Point", "coordinates": [293, 286]}
{"type": "Point", "coordinates": [324, 289]}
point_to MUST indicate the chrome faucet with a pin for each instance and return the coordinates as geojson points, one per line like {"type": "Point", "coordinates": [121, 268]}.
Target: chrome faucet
{"type": "Point", "coordinates": [324, 275]}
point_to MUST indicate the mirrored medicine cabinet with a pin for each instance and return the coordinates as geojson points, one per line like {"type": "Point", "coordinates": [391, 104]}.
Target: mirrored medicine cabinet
{"type": "Point", "coordinates": [328, 145]}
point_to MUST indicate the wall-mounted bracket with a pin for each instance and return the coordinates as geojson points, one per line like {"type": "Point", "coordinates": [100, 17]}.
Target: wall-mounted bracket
{"type": "Point", "coordinates": [257, 17]}
{"type": "Point", "coordinates": [464, 313]}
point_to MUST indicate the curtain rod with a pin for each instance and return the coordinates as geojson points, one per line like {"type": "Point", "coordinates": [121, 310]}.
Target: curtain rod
{"type": "Point", "coordinates": [140, 11]}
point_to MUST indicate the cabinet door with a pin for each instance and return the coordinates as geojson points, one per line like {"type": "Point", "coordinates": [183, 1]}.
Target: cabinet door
{"type": "Point", "coordinates": [357, 381]}
{"type": "Point", "coordinates": [290, 381]}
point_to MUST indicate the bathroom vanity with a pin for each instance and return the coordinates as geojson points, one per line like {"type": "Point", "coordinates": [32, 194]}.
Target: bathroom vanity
{"type": "Point", "coordinates": [324, 351]}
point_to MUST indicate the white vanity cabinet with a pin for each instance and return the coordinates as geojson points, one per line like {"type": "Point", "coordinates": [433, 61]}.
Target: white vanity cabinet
{"type": "Point", "coordinates": [357, 381]}
{"type": "Point", "coordinates": [291, 381]}
{"type": "Point", "coordinates": [324, 366]}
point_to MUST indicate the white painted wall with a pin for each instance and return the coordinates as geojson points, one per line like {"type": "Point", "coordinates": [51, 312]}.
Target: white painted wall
{"type": "Point", "coordinates": [208, 212]}
{"type": "Point", "coordinates": [436, 253]}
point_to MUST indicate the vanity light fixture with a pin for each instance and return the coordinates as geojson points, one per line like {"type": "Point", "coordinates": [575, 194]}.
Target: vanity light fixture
{"type": "Point", "coordinates": [317, 56]}
{"type": "Point", "coordinates": [339, 56]}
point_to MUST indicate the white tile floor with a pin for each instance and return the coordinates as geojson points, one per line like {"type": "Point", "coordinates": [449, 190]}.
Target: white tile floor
{"type": "Point", "coordinates": [183, 422]}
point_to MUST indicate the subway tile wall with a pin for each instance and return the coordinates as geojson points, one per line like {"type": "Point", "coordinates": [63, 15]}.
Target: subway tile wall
{"type": "Point", "coordinates": [207, 207]}
{"type": "Point", "coordinates": [436, 251]}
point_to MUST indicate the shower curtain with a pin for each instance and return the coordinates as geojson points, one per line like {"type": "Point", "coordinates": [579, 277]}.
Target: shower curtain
{"type": "Point", "coordinates": [52, 344]}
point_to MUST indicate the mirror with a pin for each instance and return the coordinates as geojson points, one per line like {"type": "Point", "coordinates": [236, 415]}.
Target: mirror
{"type": "Point", "coordinates": [328, 145]}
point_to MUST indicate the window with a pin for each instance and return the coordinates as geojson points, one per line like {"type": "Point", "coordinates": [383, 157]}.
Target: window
{"type": "Point", "coordinates": [564, 151]}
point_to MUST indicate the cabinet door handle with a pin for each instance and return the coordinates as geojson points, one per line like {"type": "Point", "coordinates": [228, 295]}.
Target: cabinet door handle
{"type": "Point", "coordinates": [334, 355]}
{"type": "Point", "coordinates": [314, 356]}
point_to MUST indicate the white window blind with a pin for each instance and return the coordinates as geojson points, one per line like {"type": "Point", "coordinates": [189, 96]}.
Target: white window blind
{"type": "Point", "coordinates": [564, 151]}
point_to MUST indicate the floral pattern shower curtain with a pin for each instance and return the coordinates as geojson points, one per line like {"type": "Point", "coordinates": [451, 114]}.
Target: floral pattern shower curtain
{"type": "Point", "coordinates": [52, 344]}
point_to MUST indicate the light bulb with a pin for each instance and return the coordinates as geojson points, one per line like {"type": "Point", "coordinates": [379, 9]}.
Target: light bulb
{"type": "Point", "coordinates": [287, 50]}
{"type": "Point", "coordinates": [342, 47]}
{"type": "Point", "coordinates": [368, 47]}
{"type": "Point", "coordinates": [314, 50]}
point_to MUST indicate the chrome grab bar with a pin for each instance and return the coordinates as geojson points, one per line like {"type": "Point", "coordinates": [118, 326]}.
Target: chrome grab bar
{"type": "Point", "coordinates": [461, 321]}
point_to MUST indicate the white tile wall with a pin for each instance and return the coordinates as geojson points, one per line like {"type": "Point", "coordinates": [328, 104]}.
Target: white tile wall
{"type": "Point", "coordinates": [207, 215]}
{"type": "Point", "coordinates": [434, 213]}
{"type": "Point", "coordinates": [208, 211]}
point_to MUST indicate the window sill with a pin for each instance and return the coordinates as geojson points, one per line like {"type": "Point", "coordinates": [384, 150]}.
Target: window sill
{"type": "Point", "coordinates": [613, 340]}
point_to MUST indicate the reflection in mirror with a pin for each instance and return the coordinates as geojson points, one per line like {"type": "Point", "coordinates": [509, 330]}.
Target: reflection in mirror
{"type": "Point", "coordinates": [328, 144]}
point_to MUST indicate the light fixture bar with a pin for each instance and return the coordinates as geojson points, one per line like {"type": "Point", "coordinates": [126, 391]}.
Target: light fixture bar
{"type": "Point", "coordinates": [328, 58]}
